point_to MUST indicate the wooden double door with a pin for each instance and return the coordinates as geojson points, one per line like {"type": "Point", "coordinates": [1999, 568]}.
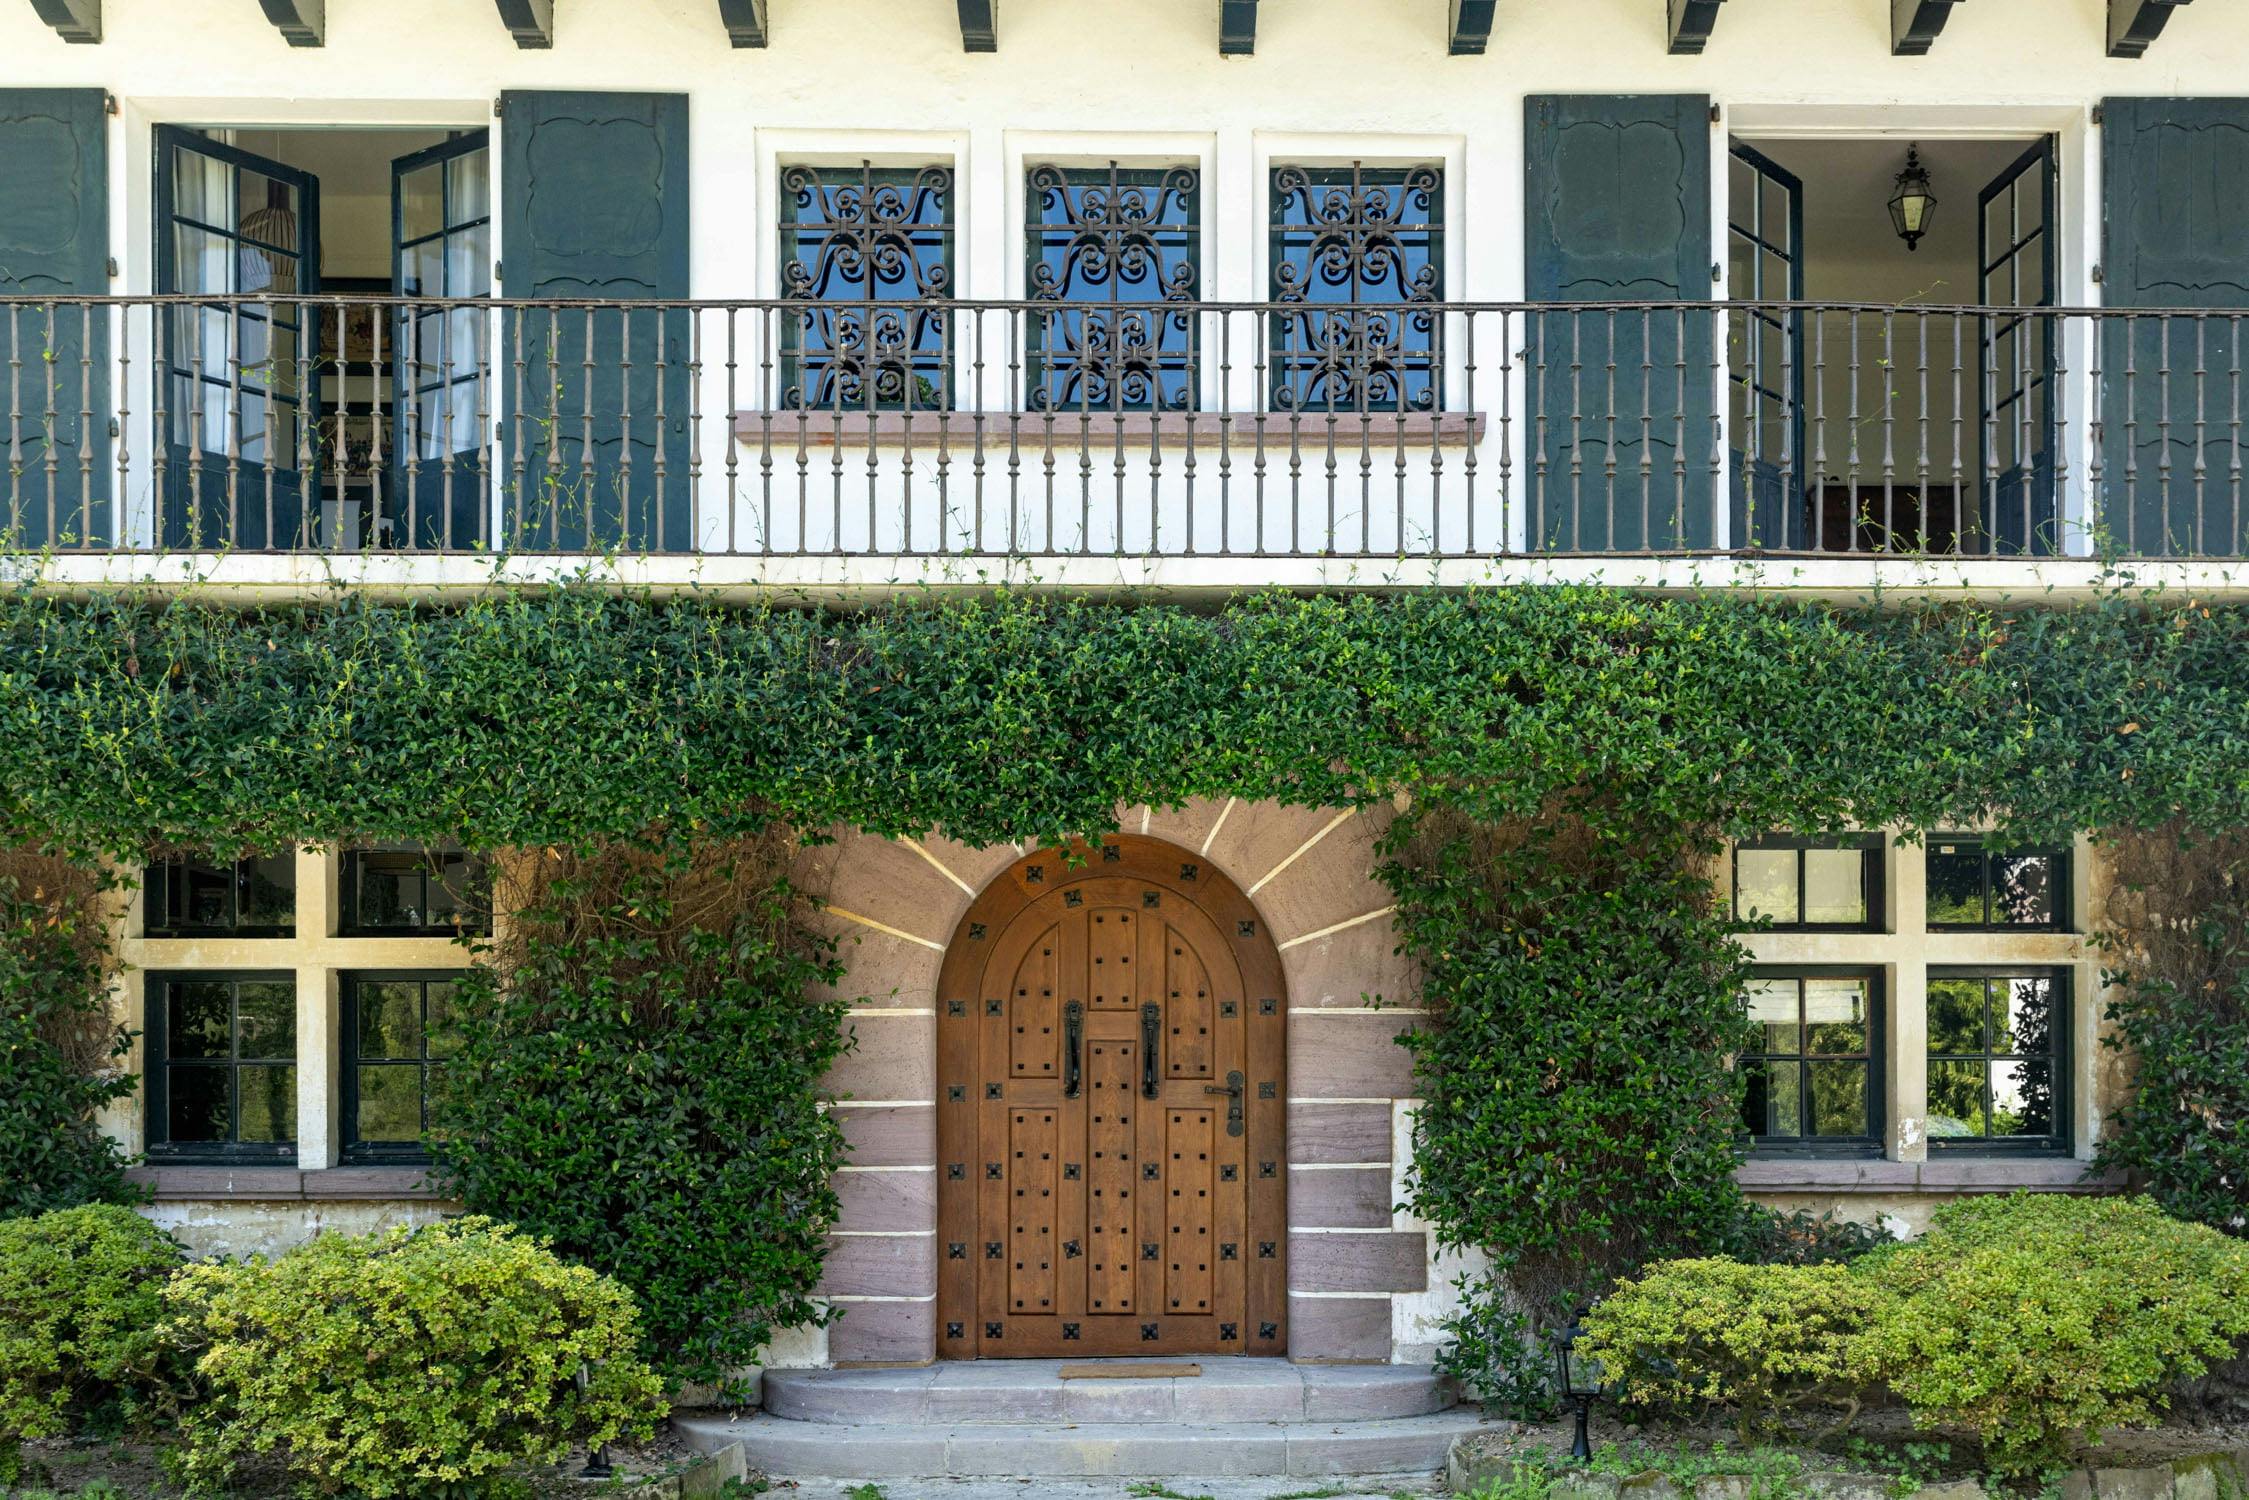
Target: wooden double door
{"type": "Point", "coordinates": [1110, 1121]}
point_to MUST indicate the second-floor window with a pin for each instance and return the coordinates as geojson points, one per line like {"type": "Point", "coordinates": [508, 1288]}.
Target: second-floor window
{"type": "Point", "coordinates": [192, 896]}
{"type": "Point", "coordinates": [1115, 246]}
{"type": "Point", "coordinates": [1357, 246]}
{"type": "Point", "coordinates": [407, 889]}
{"type": "Point", "coordinates": [869, 252]}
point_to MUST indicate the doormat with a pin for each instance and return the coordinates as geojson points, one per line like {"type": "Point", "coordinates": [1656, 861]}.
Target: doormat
{"type": "Point", "coordinates": [1127, 1372]}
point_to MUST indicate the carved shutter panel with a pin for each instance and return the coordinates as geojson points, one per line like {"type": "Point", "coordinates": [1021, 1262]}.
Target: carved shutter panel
{"type": "Point", "coordinates": [1617, 209]}
{"type": "Point", "coordinates": [595, 207]}
{"type": "Point", "coordinates": [2177, 235]}
{"type": "Point", "coordinates": [54, 242]}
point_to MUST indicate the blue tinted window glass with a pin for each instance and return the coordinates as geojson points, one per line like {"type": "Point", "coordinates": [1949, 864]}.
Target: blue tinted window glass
{"type": "Point", "coordinates": [1116, 246]}
{"type": "Point", "coordinates": [1357, 246]}
{"type": "Point", "coordinates": [870, 251]}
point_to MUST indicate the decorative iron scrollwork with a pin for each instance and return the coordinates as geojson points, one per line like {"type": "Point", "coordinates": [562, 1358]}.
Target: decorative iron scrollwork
{"type": "Point", "coordinates": [1116, 246]}
{"type": "Point", "coordinates": [1357, 246]}
{"type": "Point", "coordinates": [869, 252]}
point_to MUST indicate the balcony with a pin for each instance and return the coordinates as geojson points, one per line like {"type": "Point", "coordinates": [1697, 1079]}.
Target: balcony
{"type": "Point", "coordinates": [1261, 442]}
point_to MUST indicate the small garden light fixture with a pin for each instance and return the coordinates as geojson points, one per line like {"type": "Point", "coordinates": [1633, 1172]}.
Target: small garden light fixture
{"type": "Point", "coordinates": [1580, 1382]}
{"type": "Point", "coordinates": [1913, 206]}
{"type": "Point", "coordinates": [598, 1464]}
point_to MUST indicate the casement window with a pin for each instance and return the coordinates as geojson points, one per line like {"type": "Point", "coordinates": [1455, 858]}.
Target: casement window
{"type": "Point", "coordinates": [1813, 1082]}
{"type": "Point", "coordinates": [1115, 246]}
{"type": "Point", "coordinates": [409, 890]}
{"type": "Point", "coordinates": [868, 251]}
{"type": "Point", "coordinates": [196, 897]}
{"type": "Point", "coordinates": [398, 1029]}
{"type": "Point", "coordinates": [1998, 1059]}
{"type": "Point", "coordinates": [1974, 888]}
{"type": "Point", "coordinates": [222, 1066]}
{"type": "Point", "coordinates": [1354, 245]}
{"type": "Point", "coordinates": [1809, 884]}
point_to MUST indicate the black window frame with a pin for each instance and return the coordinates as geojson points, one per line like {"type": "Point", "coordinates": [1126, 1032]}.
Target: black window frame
{"type": "Point", "coordinates": [156, 878]}
{"type": "Point", "coordinates": [1854, 1147]}
{"type": "Point", "coordinates": [348, 893]}
{"type": "Point", "coordinates": [830, 342]}
{"type": "Point", "coordinates": [1873, 881]}
{"type": "Point", "coordinates": [156, 1071]}
{"type": "Point", "coordinates": [2062, 1141]}
{"type": "Point", "coordinates": [2064, 876]}
{"type": "Point", "coordinates": [356, 1150]}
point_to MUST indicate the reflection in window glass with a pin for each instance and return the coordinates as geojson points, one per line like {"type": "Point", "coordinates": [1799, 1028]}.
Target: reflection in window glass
{"type": "Point", "coordinates": [249, 897]}
{"type": "Point", "coordinates": [1765, 884]}
{"type": "Point", "coordinates": [1971, 886]}
{"type": "Point", "coordinates": [1995, 1044]}
{"type": "Point", "coordinates": [1813, 1079]}
{"type": "Point", "coordinates": [1795, 883]}
{"type": "Point", "coordinates": [1835, 886]}
{"type": "Point", "coordinates": [409, 888]}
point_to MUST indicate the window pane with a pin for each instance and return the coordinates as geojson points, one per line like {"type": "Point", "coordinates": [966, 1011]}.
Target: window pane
{"type": "Point", "coordinates": [2022, 1098]}
{"type": "Point", "coordinates": [1956, 885]}
{"type": "Point", "coordinates": [1839, 1099]}
{"type": "Point", "coordinates": [1765, 884]}
{"type": "Point", "coordinates": [444, 1035]}
{"type": "Point", "coordinates": [2022, 890]}
{"type": "Point", "coordinates": [390, 1103]}
{"type": "Point", "coordinates": [460, 891]}
{"type": "Point", "coordinates": [421, 201]}
{"type": "Point", "coordinates": [196, 1104]}
{"type": "Point", "coordinates": [1956, 1092]}
{"type": "Point", "coordinates": [1835, 1016]}
{"type": "Point", "coordinates": [390, 1018]}
{"type": "Point", "coordinates": [1113, 245]}
{"type": "Point", "coordinates": [268, 1106]}
{"type": "Point", "coordinates": [1955, 1016]}
{"type": "Point", "coordinates": [269, 891]}
{"type": "Point", "coordinates": [1345, 237]}
{"type": "Point", "coordinates": [866, 235]}
{"type": "Point", "coordinates": [1784, 1109]}
{"type": "Point", "coordinates": [268, 1009]}
{"type": "Point", "coordinates": [198, 1016]}
{"type": "Point", "coordinates": [2022, 1015]}
{"type": "Point", "coordinates": [389, 887]}
{"type": "Point", "coordinates": [1835, 886]}
{"type": "Point", "coordinates": [1772, 1006]}
{"type": "Point", "coordinates": [469, 188]}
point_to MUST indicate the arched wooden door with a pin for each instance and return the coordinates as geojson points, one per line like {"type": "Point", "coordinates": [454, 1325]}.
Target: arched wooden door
{"type": "Point", "coordinates": [1111, 1179]}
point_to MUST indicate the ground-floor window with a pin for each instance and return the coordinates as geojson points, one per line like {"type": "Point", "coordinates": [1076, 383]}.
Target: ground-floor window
{"type": "Point", "coordinates": [398, 1030]}
{"type": "Point", "coordinates": [222, 1075]}
{"type": "Point", "coordinates": [1996, 1053]}
{"type": "Point", "coordinates": [1814, 1083]}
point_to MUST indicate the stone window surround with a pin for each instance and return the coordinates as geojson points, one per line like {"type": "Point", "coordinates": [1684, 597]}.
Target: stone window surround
{"type": "Point", "coordinates": [318, 958]}
{"type": "Point", "coordinates": [1903, 952]}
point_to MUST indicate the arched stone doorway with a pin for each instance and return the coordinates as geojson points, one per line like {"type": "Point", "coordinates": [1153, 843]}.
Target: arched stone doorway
{"type": "Point", "coordinates": [1111, 1036]}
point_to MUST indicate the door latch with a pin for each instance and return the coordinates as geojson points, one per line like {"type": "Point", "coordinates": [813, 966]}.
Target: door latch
{"type": "Point", "coordinates": [1073, 1047]}
{"type": "Point", "coordinates": [1151, 1039]}
{"type": "Point", "coordinates": [1233, 1093]}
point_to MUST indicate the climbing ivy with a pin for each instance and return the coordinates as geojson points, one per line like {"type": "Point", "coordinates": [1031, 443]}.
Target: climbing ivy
{"type": "Point", "coordinates": [1582, 1018]}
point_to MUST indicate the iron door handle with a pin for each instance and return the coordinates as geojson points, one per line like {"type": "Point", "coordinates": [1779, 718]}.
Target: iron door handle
{"type": "Point", "coordinates": [1073, 1048]}
{"type": "Point", "coordinates": [1151, 1038]}
{"type": "Point", "coordinates": [1233, 1091]}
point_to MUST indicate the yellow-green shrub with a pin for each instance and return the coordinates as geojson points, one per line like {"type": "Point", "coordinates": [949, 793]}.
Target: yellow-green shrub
{"type": "Point", "coordinates": [407, 1362]}
{"type": "Point", "coordinates": [1690, 1335]}
{"type": "Point", "coordinates": [2033, 1320]}
{"type": "Point", "coordinates": [81, 1301]}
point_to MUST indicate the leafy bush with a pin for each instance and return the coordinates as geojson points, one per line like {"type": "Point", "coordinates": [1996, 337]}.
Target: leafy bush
{"type": "Point", "coordinates": [1757, 1340]}
{"type": "Point", "coordinates": [407, 1362]}
{"type": "Point", "coordinates": [1499, 1352]}
{"type": "Point", "coordinates": [638, 1079]}
{"type": "Point", "coordinates": [81, 1302]}
{"type": "Point", "coordinates": [1769, 1237]}
{"type": "Point", "coordinates": [2030, 1319]}
{"type": "Point", "coordinates": [57, 1041]}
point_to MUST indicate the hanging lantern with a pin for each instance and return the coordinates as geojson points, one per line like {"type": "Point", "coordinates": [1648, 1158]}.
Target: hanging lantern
{"type": "Point", "coordinates": [1914, 207]}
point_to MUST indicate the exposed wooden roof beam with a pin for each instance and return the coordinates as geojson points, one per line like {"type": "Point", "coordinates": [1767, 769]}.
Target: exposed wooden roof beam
{"type": "Point", "coordinates": [1471, 26]}
{"type": "Point", "coordinates": [2132, 24]}
{"type": "Point", "coordinates": [73, 20]}
{"type": "Point", "coordinates": [303, 23]}
{"type": "Point", "coordinates": [744, 21]}
{"type": "Point", "coordinates": [1692, 21]}
{"type": "Point", "coordinates": [980, 27]}
{"type": "Point", "coordinates": [530, 22]}
{"type": "Point", "coordinates": [1237, 27]}
{"type": "Point", "coordinates": [1914, 25]}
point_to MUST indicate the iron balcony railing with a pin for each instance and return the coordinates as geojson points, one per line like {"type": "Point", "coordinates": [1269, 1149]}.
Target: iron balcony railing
{"type": "Point", "coordinates": [1172, 429]}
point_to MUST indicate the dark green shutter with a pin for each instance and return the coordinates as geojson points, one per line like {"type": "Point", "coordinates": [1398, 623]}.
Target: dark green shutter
{"type": "Point", "coordinates": [1617, 209]}
{"type": "Point", "coordinates": [55, 475]}
{"type": "Point", "coordinates": [595, 207]}
{"type": "Point", "coordinates": [2177, 236]}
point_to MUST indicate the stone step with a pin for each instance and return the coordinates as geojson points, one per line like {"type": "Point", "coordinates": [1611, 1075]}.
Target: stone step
{"type": "Point", "coordinates": [1152, 1450]}
{"type": "Point", "coordinates": [1032, 1390]}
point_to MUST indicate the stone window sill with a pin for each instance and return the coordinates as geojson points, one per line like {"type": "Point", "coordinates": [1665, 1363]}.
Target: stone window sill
{"type": "Point", "coordinates": [173, 1184]}
{"type": "Point", "coordinates": [1980, 1175]}
{"type": "Point", "coordinates": [1070, 429]}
